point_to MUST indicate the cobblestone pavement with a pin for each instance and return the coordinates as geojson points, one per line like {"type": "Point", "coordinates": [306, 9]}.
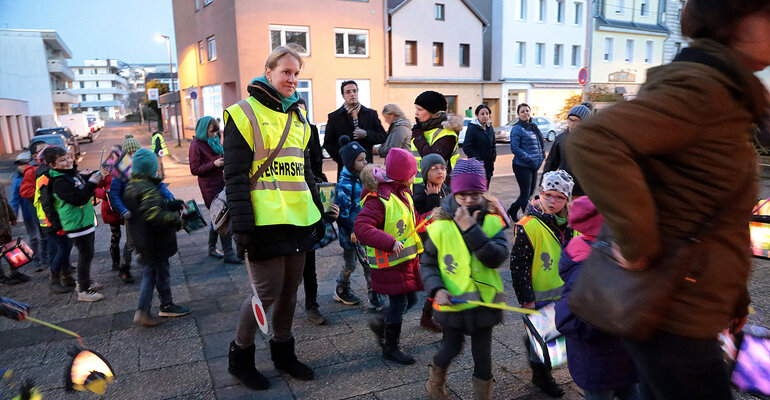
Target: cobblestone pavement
{"type": "Point", "coordinates": [186, 358]}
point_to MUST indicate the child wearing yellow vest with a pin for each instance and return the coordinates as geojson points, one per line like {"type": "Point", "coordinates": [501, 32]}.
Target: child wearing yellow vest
{"type": "Point", "coordinates": [465, 246]}
{"type": "Point", "coordinates": [539, 237]}
{"type": "Point", "coordinates": [386, 226]}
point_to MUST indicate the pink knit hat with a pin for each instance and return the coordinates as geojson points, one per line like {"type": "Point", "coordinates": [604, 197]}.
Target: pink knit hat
{"type": "Point", "coordinates": [400, 165]}
{"type": "Point", "coordinates": [584, 217]}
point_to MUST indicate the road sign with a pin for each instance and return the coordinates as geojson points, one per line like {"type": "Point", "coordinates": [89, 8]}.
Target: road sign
{"type": "Point", "coordinates": [583, 76]}
{"type": "Point", "coordinates": [152, 94]}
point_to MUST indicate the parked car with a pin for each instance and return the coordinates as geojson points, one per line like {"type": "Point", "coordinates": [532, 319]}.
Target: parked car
{"type": "Point", "coordinates": [78, 124]}
{"type": "Point", "coordinates": [55, 139]}
{"type": "Point", "coordinates": [63, 130]}
{"type": "Point", "coordinates": [547, 128]}
{"type": "Point", "coordinates": [95, 121]}
{"type": "Point", "coordinates": [503, 133]}
{"type": "Point", "coordinates": [461, 136]}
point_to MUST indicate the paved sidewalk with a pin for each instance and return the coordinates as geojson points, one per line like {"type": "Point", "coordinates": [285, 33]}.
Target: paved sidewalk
{"type": "Point", "coordinates": [186, 358]}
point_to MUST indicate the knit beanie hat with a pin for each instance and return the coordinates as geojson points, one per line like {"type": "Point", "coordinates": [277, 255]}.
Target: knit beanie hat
{"type": "Point", "coordinates": [23, 158]}
{"type": "Point", "coordinates": [349, 151]}
{"type": "Point", "coordinates": [429, 161]}
{"type": "Point", "coordinates": [431, 101]}
{"type": "Point", "coordinates": [468, 176]}
{"type": "Point", "coordinates": [130, 144]}
{"type": "Point", "coordinates": [584, 217]}
{"type": "Point", "coordinates": [579, 111]}
{"type": "Point", "coordinates": [400, 165]}
{"type": "Point", "coordinates": [559, 181]}
{"type": "Point", "coordinates": [145, 163]}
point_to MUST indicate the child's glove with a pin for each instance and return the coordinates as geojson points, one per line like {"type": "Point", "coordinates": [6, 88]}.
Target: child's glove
{"type": "Point", "coordinates": [13, 309]}
{"type": "Point", "coordinates": [126, 215]}
{"type": "Point", "coordinates": [331, 215]}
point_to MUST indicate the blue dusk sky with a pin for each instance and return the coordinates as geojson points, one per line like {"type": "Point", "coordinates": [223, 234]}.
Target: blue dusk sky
{"type": "Point", "coordinates": [122, 30]}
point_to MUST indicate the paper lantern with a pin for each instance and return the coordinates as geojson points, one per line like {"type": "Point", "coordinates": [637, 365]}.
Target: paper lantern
{"type": "Point", "coordinates": [118, 164]}
{"type": "Point", "coordinates": [547, 342]}
{"type": "Point", "coordinates": [17, 253]}
{"type": "Point", "coordinates": [89, 371]}
{"type": "Point", "coordinates": [192, 218]}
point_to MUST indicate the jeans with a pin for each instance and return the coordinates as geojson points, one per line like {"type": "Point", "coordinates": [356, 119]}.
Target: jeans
{"type": "Point", "coordinates": [399, 303]}
{"type": "Point", "coordinates": [350, 259]}
{"type": "Point", "coordinates": [225, 240]}
{"type": "Point", "coordinates": [310, 281]}
{"type": "Point", "coordinates": [85, 246]}
{"type": "Point", "coordinates": [155, 276]}
{"type": "Point", "coordinates": [626, 393]}
{"type": "Point", "coordinates": [481, 348]}
{"type": "Point", "coordinates": [115, 244]}
{"type": "Point", "coordinates": [527, 180]}
{"type": "Point", "coordinates": [673, 367]}
{"type": "Point", "coordinates": [128, 249]}
{"type": "Point", "coordinates": [59, 247]}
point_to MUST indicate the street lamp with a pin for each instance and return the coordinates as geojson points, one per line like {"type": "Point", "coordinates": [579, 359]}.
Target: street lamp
{"type": "Point", "coordinates": [171, 75]}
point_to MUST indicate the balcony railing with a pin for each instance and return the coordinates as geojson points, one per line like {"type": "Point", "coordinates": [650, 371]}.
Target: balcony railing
{"type": "Point", "coordinates": [64, 96]}
{"type": "Point", "coordinates": [59, 68]}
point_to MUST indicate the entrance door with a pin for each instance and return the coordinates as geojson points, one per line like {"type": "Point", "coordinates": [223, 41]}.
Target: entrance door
{"type": "Point", "coordinates": [494, 106]}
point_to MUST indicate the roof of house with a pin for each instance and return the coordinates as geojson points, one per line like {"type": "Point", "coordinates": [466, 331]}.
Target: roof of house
{"type": "Point", "coordinates": [658, 28]}
{"type": "Point", "coordinates": [395, 5]}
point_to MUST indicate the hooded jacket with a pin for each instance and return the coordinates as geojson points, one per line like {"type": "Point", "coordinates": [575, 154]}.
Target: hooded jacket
{"type": "Point", "coordinates": [671, 158]}
{"type": "Point", "coordinates": [155, 218]}
{"type": "Point", "coordinates": [399, 136]}
{"type": "Point", "coordinates": [480, 142]}
{"type": "Point", "coordinates": [211, 179]}
{"type": "Point", "coordinates": [492, 252]}
{"type": "Point", "coordinates": [348, 199]}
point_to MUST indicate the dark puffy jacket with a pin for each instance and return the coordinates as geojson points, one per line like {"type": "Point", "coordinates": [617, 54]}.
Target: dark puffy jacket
{"type": "Point", "coordinates": [527, 145]}
{"type": "Point", "coordinates": [266, 242]}
{"type": "Point", "coordinates": [424, 202]}
{"type": "Point", "coordinates": [341, 124]}
{"type": "Point", "coordinates": [596, 361]}
{"type": "Point", "coordinates": [211, 179]}
{"type": "Point", "coordinates": [348, 199]}
{"type": "Point", "coordinates": [557, 159]}
{"type": "Point", "coordinates": [153, 223]}
{"type": "Point", "coordinates": [480, 142]}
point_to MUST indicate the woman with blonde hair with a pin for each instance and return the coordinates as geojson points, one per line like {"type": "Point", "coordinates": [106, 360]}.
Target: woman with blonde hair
{"type": "Point", "coordinates": [399, 131]}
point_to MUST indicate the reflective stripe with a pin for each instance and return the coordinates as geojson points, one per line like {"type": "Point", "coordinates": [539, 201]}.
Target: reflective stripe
{"type": "Point", "coordinates": [287, 152]}
{"type": "Point", "coordinates": [259, 146]}
{"type": "Point", "coordinates": [281, 185]}
{"type": "Point", "coordinates": [548, 294]}
{"type": "Point", "coordinates": [406, 252]}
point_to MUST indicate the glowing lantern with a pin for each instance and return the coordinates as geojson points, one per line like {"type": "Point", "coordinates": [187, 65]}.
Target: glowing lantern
{"type": "Point", "coordinates": [89, 371]}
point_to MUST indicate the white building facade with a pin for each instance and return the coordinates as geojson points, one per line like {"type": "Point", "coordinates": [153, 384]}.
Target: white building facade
{"type": "Point", "coordinates": [33, 69]}
{"type": "Point", "coordinates": [101, 88]}
{"type": "Point", "coordinates": [538, 48]}
{"type": "Point", "coordinates": [673, 21]}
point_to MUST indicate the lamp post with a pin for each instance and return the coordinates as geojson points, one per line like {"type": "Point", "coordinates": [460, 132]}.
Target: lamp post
{"type": "Point", "coordinates": [171, 86]}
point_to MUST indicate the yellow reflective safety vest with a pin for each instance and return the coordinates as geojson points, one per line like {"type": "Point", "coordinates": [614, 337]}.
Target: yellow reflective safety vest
{"type": "Point", "coordinates": [281, 196]}
{"type": "Point", "coordinates": [465, 277]}
{"type": "Point", "coordinates": [546, 281]}
{"type": "Point", "coordinates": [432, 136]}
{"type": "Point", "coordinates": [399, 222]}
{"type": "Point", "coordinates": [159, 144]}
{"type": "Point", "coordinates": [40, 182]}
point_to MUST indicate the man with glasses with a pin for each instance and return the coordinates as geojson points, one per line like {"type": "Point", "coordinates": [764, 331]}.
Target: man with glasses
{"type": "Point", "coordinates": [557, 156]}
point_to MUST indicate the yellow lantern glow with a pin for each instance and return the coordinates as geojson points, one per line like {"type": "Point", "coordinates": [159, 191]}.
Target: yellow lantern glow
{"type": "Point", "coordinates": [89, 371]}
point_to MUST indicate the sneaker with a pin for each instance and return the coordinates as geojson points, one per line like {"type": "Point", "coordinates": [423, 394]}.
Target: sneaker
{"type": "Point", "coordinates": [93, 285]}
{"type": "Point", "coordinates": [173, 310]}
{"type": "Point", "coordinates": [375, 301]}
{"type": "Point", "coordinates": [345, 295]}
{"type": "Point", "coordinates": [145, 319]}
{"type": "Point", "coordinates": [90, 295]}
{"type": "Point", "coordinates": [216, 253]}
{"type": "Point", "coordinates": [315, 316]}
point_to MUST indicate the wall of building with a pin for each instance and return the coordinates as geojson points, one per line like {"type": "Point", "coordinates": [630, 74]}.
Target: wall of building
{"type": "Point", "coordinates": [15, 125]}
{"type": "Point", "coordinates": [415, 21]}
{"type": "Point", "coordinates": [24, 72]}
{"type": "Point", "coordinates": [601, 69]}
{"type": "Point", "coordinates": [468, 95]}
{"type": "Point", "coordinates": [675, 39]}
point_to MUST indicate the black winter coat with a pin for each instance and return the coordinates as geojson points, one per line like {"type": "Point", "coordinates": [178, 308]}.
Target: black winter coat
{"type": "Point", "coordinates": [154, 220]}
{"type": "Point", "coordinates": [341, 124]}
{"type": "Point", "coordinates": [480, 143]}
{"type": "Point", "coordinates": [557, 159]}
{"type": "Point", "coordinates": [265, 242]}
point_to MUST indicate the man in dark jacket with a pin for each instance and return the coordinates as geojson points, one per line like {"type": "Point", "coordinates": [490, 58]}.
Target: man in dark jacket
{"type": "Point", "coordinates": [557, 157]}
{"type": "Point", "coordinates": [353, 119]}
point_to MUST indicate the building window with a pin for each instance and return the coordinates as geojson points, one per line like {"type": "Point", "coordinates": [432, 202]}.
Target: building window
{"type": "Point", "coordinates": [281, 35]}
{"type": "Point", "coordinates": [679, 11]}
{"type": "Point", "coordinates": [645, 8]}
{"type": "Point", "coordinates": [197, 5]}
{"type": "Point", "coordinates": [557, 54]}
{"type": "Point", "coordinates": [620, 7]}
{"type": "Point", "coordinates": [201, 58]}
{"type": "Point", "coordinates": [438, 54]}
{"type": "Point", "coordinates": [540, 54]}
{"type": "Point", "coordinates": [578, 13]}
{"type": "Point", "coordinates": [96, 71]}
{"type": "Point", "coordinates": [83, 97]}
{"type": "Point", "coordinates": [522, 9]}
{"type": "Point", "coordinates": [410, 50]}
{"type": "Point", "coordinates": [205, 3]}
{"type": "Point", "coordinates": [212, 100]}
{"type": "Point", "coordinates": [351, 43]}
{"type": "Point", "coordinates": [541, 11]}
{"type": "Point", "coordinates": [451, 104]}
{"type": "Point", "coordinates": [609, 50]}
{"type": "Point", "coordinates": [521, 53]}
{"type": "Point", "coordinates": [677, 48]}
{"type": "Point", "coordinates": [305, 91]}
{"type": "Point", "coordinates": [98, 96]}
{"type": "Point", "coordinates": [648, 50]}
{"type": "Point", "coordinates": [560, 12]}
{"type": "Point", "coordinates": [439, 11]}
{"type": "Point", "coordinates": [575, 55]}
{"type": "Point", "coordinates": [465, 55]}
{"type": "Point", "coordinates": [80, 71]}
{"type": "Point", "coordinates": [82, 85]}
{"type": "Point", "coordinates": [629, 50]}
{"type": "Point", "coordinates": [211, 41]}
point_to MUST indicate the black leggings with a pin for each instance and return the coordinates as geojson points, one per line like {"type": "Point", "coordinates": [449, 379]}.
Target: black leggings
{"type": "Point", "coordinates": [481, 348]}
{"type": "Point", "coordinates": [310, 281]}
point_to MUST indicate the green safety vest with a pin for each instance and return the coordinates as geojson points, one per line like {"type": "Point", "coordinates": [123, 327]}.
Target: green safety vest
{"type": "Point", "coordinates": [546, 281]}
{"type": "Point", "coordinates": [281, 195]}
{"type": "Point", "coordinates": [399, 222]}
{"type": "Point", "coordinates": [163, 150]}
{"type": "Point", "coordinates": [465, 277]}
{"type": "Point", "coordinates": [432, 136]}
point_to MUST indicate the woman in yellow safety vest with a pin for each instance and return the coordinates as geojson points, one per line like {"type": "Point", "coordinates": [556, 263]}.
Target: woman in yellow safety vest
{"type": "Point", "coordinates": [434, 133]}
{"type": "Point", "coordinates": [539, 237]}
{"type": "Point", "coordinates": [275, 215]}
{"type": "Point", "coordinates": [465, 246]}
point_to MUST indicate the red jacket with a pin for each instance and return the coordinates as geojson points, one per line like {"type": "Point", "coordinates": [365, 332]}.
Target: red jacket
{"type": "Point", "coordinates": [102, 192]}
{"type": "Point", "coordinates": [368, 227]}
{"type": "Point", "coordinates": [27, 188]}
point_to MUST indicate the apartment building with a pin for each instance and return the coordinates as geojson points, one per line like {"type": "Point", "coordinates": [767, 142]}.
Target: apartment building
{"type": "Point", "coordinates": [101, 88]}
{"type": "Point", "coordinates": [222, 45]}
{"type": "Point", "coordinates": [675, 42]}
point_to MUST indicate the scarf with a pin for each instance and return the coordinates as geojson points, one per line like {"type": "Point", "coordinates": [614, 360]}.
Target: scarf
{"type": "Point", "coordinates": [286, 102]}
{"type": "Point", "coordinates": [202, 134]}
{"type": "Point", "coordinates": [353, 112]}
{"type": "Point", "coordinates": [432, 123]}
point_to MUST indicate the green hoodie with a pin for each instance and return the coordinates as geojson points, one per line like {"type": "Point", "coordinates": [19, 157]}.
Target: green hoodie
{"type": "Point", "coordinates": [74, 218]}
